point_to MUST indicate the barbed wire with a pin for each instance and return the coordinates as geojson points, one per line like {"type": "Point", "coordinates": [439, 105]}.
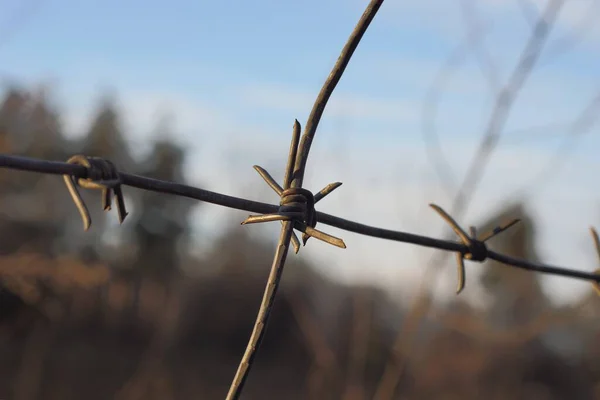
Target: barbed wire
{"type": "Point", "coordinates": [296, 209]}
{"type": "Point", "coordinates": [504, 98]}
{"type": "Point", "coordinates": [80, 172]}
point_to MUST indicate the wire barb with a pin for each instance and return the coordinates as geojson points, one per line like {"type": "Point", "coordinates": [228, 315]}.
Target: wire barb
{"type": "Point", "coordinates": [596, 284]}
{"type": "Point", "coordinates": [476, 249]}
{"type": "Point", "coordinates": [101, 175]}
{"type": "Point", "coordinates": [297, 205]}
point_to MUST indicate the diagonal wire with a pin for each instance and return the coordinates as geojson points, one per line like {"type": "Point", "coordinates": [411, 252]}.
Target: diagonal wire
{"type": "Point", "coordinates": [583, 124]}
{"type": "Point", "coordinates": [272, 284]}
{"type": "Point", "coordinates": [475, 35]}
{"type": "Point", "coordinates": [297, 163]}
{"type": "Point", "coordinates": [504, 101]}
{"type": "Point", "coordinates": [566, 42]}
{"type": "Point", "coordinates": [472, 43]}
{"type": "Point", "coordinates": [497, 121]}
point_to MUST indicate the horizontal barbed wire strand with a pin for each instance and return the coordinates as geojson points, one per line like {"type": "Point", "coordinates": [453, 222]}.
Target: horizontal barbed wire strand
{"type": "Point", "coordinates": [155, 185]}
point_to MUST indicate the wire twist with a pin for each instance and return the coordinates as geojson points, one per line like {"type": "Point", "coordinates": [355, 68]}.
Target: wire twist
{"type": "Point", "coordinates": [476, 249]}
{"type": "Point", "coordinates": [101, 175]}
{"type": "Point", "coordinates": [297, 205]}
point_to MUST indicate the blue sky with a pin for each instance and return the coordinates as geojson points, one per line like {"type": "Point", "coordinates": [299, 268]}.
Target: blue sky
{"type": "Point", "coordinates": [233, 75]}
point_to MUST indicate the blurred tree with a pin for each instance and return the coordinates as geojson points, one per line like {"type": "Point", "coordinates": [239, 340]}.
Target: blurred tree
{"type": "Point", "coordinates": [516, 294]}
{"type": "Point", "coordinates": [45, 138]}
{"type": "Point", "coordinates": [493, 353]}
{"type": "Point", "coordinates": [518, 300]}
{"type": "Point", "coordinates": [160, 222]}
{"type": "Point", "coordinates": [32, 204]}
{"type": "Point", "coordinates": [12, 118]}
{"type": "Point", "coordinates": [105, 138]}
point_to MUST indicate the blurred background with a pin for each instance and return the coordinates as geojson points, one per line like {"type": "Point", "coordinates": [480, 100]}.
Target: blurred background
{"type": "Point", "coordinates": [198, 92]}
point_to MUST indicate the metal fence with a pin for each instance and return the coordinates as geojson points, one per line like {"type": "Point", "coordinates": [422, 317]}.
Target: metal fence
{"type": "Point", "coordinates": [296, 209]}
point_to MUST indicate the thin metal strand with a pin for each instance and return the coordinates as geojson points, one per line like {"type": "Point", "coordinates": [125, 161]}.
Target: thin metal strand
{"type": "Point", "coordinates": [326, 190]}
{"type": "Point", "coordinates": [263, 313]}
{"type": "Point", "coordinates": [21, 163]}
{"type": "Point", "coordinates": [269, 179]}
{"type": "Point", "coordinates": [279, 190]}
{"type": "Point", "coordinates": [289, 169]}
{"type": "Point", "coordinates": [332, 80]}
{"type": "Point", "coordinates": [317, 234]}
{"type": "Point", "coordinates": [460, 270]}
{"type": "Point", "coordinates": [106, 199]}
{"type": "Point", "coordinates": [499, 229]}
{"type": "Point", "coordinates": [257, 219]}
{"type": "Point", "coordinates": [298, 159]}
{"type": "Point", "coordinates": [596, 241]}
{"type": "Point", "coordinates": [455, 227]}
{"type": "Point", "coordinates": [79, 203]}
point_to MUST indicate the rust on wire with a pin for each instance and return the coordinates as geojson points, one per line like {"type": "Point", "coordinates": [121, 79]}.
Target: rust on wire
{"type": "Point", "coordinates": [475, 247]}
{"type": "Point", "coordinates": [101, 175]}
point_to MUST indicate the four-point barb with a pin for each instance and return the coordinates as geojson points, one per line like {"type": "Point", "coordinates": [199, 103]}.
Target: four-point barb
{"type": "Point", "coordinates": [102, 175]}
{"type": "Point", "coordinates": [476, 248]}
{"type": "Point", "coordinates": [597, 244]}
{"type": "Point", "coordinates": [296, 204]}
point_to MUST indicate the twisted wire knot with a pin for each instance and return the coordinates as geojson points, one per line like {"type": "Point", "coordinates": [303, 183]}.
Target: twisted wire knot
{"type": "Point", "coordinates": [475, 247]}
{"type": "Point", "coordinates": [297, 205]}
{"type": "Point", "coordinates": [477, 250]}
{"type": "Point", "coordinates": [101, 174]}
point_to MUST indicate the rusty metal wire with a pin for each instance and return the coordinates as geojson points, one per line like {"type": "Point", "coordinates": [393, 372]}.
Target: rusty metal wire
{"type": "Point", "coordinates": [160, 186]}
{"type": "Point", "coordinates": [296, 209]}
{"type": "Point", "coordinates": [102, 175]}
{"type": "Point", "coordinates": [294, 176]}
